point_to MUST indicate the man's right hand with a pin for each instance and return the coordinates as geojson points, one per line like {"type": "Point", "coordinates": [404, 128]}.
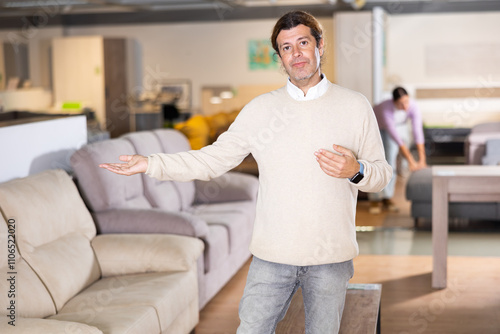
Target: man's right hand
{"type": "Point", "coordinates": [134, 164]}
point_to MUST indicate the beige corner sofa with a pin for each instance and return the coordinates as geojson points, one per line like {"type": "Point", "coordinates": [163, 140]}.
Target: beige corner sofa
{"type": "Point", "coordinates": [220, 212]}
{"type": "Point", "coordinates": [65, 279]}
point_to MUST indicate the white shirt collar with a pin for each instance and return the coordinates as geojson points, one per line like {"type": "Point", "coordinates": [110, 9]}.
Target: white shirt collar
{"type": "Point", "coordinates": [313, 93]}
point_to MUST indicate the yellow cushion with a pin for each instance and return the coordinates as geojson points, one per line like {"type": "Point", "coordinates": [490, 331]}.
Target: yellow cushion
{"type": "Point", "coordinates": [197, 130]}
{"type": "Point", "coordinates": [218, 123]}
{"type": "Point", "coordinates": [232, 115]}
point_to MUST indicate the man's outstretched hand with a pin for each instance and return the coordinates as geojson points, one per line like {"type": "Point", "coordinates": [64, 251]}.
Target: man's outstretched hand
{"type": "Point", "coordinates": [134, 164]}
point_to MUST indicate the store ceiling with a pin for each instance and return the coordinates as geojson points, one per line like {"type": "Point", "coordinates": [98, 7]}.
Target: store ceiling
{"type": "Point", "coordinates": [15, 7]}
{"type": "Point", "coordinates": [86, 6]}
{"type": "Point", "coordinates": [71, 12]}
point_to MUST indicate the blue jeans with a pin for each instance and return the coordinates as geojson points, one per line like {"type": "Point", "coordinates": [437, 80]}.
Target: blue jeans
{"type": "Point", "coordinates": [271, 286]}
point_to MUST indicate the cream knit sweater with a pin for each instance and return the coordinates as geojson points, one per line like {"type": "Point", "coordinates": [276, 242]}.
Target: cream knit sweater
{"type": "Point", "coordinates": [304, 217]}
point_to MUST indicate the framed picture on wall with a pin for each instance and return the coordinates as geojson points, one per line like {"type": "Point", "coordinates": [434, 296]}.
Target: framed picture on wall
{"type": "Point", "coordinates": [261, 55]}
{"type": "Point", "coordinates": [177, 92]}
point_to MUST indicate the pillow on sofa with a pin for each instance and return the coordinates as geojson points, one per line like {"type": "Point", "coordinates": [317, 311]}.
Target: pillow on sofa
{"type": "Point", "coordinates": [33, 300]}
{"type": "Point", "coordinates": [197, 130]}
{"type": "Point", "coordinates": [204, 130]}
{"type": "Point", "coordinates": [232, 115]}
{"type": "Point", "coordinates": [57, 220]}
{"type": "Point", "coordinates": [218, 124]}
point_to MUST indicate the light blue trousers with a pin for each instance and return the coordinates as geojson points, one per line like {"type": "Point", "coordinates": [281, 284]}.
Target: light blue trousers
{"type": "Point", "coordinates": [391, 149]}
{"type": "Point", "coordinates": [271, 286]}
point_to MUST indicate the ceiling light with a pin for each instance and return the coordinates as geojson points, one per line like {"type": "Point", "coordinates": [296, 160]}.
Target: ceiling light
{"type": "Point", "coordinates": [215, 100]}
{"type": "Point", "coordinates": [226, 94]}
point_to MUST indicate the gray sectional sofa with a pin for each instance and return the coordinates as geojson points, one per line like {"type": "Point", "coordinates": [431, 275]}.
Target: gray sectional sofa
{"type": "Point", "coordinates": [419, 192]}
{"type": "Point", "coordinates": [219, 212]}
{"type": "Point", "coordinates": [482, 147]}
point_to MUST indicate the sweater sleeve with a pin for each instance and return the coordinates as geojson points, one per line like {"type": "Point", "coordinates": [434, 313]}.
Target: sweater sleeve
{"type": "Point", "coordinates": [377, 171]}
{"type": "Point", "coordinates": [211, 161]}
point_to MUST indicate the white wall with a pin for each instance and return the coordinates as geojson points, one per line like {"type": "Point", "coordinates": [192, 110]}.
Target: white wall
{"type": "Point", "coordinates": [447, 51]}
{"type": "Point", "coordinates": [410, 37]}
{"type": "Point", "coordinates": [209, 54]}
{"type": "Point", "coordinates": [354, 52]}
{"type": "Point", "coordinates": [38, 146]}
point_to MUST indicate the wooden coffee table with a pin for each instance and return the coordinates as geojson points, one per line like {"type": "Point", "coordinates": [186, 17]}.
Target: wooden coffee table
{"type": "Point", "coordinates": [361, 312]}
{"type": "Point", "coordinates": [463, 183]}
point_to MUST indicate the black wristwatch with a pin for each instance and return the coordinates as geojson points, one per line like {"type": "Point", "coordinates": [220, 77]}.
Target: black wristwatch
{"type": "Point", "coordinates": [359, 175]}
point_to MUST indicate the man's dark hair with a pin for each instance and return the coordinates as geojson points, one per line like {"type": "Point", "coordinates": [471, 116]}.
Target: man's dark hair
{"type": "Point", "coordinates": [291, 20]}
{"type": "Point", "coordinates": [398, 93]}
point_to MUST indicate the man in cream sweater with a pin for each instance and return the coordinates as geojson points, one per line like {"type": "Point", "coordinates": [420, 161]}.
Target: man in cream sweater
{"type": "Point", "coordinates": [316, 145]}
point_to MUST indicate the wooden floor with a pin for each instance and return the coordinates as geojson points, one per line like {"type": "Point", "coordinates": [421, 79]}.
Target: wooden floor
{"type": "Point", "coordinates": [401, 218]}
{"type": "Point", "coordinates": [470, 304]}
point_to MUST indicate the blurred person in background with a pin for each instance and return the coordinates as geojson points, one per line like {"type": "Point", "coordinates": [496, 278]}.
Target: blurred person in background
{"type": "Point", "coordinates": [392, 117]}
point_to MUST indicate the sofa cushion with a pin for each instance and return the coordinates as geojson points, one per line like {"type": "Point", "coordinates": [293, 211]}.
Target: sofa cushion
{"type": "Point", "coordinates": [161, 194]}
{"type": "Point", "coordinates": [247, 207]}
{"type": "Point", "coordinates": [243, 208]}
{"type": "Point", "coordinates": [33, 299]}
{"type": "Point", "coordinates": [197, 130]}
{"type": "Point", "coordinates": [130, 319]}
{"type": "Point", "coordinates": [238, 227]}
{"type": "Point", "coordinates": [465, 210]}
{"type": "Point", "coordinates": [185, 321]}
{"type": "Point", "coordinates": [419, 191]}
{"type": "Point", "coordinates": [151, 221]}
{"type": "Point", "coordinates": [173, 142]}
{"type": "Point", "coordinates": [419, 185]}
{"type": "Point", "coordinates": [216, 247]}
{"type": "Point", "coordinates": [229, 187]}
{"type": "Point", "coordinates": [122, 254]}
{"type": "Point", "coordinates": [218, 123]}
{"type": "Point", "coordinates": [492, 155]}
{"type": "Point", "coordinates": [101, 189]}
{"type": "Point", "coordinates": [476, 143]}
{"type": "Point", "coordinates": [55, 229]}
{"type": "Point", "coordinates": [36, 325]}
{"type": "Point", "coordinates": [110, 301]}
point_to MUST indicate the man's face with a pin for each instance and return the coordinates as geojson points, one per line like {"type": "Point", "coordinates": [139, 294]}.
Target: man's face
{"type": "Point", "coordinates": [299, 54]}
{"type": "Point", "coordinates": [403, 103]}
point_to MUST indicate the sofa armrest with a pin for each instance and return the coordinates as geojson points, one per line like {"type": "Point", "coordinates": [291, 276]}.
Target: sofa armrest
{"type": "Point", "coordinates": [150, 221]}
{"type": "Point", "coordinates": [230, 187]}
{"type": "Point", "coordinates": [38, 325]}
{"type": "Point", "coordinates": [122, 254]}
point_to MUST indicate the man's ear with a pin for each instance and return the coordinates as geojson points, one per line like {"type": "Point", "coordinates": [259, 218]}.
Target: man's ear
{"type": "Point", "coordinates": [277, 57]}
{"type": "Point", "coordinates": [321, 46]}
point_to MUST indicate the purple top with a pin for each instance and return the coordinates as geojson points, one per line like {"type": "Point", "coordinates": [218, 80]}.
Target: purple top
{"type": "Point", "coordinates": [386, 121]}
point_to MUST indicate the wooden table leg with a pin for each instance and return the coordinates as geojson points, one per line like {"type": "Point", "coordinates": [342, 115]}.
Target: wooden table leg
{"type": "Point", "coordinates": [439, 231]}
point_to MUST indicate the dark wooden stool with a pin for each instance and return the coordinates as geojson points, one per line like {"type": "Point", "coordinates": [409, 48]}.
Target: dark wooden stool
{"type": "Point", "coordinates": [361, 312]}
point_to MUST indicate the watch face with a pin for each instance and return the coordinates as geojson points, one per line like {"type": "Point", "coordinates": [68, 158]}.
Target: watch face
{"type": "Point", "coordinates": [356, 178]}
